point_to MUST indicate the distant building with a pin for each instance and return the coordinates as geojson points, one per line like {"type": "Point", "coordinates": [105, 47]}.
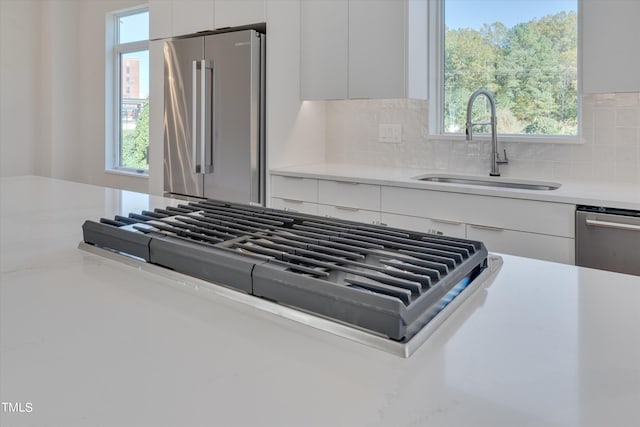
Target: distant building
{"type": "Point", "coordinates": [130, 78]}
{"type": "Point", "coordinates": [131, 103]}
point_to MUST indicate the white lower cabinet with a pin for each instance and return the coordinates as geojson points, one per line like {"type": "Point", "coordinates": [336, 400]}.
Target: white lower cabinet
{"type": "Point", "coordinates": [294, 194]}
{"type": "Point", "coordinates": [531, 245]}
{"type": "Point", "coordinates": [348, 213]}
{"type": "Point", "coordinates": [349, 200]}
{"type": "Point", "coordinates": [556, 219]}
{"type": "Point", "coordinates": [292, 205]}
{"type": "Point", "coordinates": [294, 188]}
{"type": "Point", "coordinates": [349, 194]}
{"type": "Point", "coordinates": [500, 240]}
{"type": "Point", "coordinates": [424, 225]}
{"type": "Point", "coordinates": [529, 228]}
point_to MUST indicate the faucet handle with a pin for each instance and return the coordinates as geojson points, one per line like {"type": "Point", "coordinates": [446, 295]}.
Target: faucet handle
{"type": "Point", "coordinates": [505, 159]}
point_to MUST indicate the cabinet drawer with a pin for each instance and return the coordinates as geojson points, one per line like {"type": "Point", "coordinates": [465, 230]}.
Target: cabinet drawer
{"type": "Point", "coordinates": [294, 205]}
{"type": "Point", "coordinates": [531, 245]}
{"type": "Point", "coordinates": [351, 214]}
{"type": "Point", "coordinates": [294, 188]}
{"type": "Point", "coordinates": [349, 194]}
{"type": "Point", "coordinates": [424, 225]}
{"type": "Point", "coordinates": [513, 214]}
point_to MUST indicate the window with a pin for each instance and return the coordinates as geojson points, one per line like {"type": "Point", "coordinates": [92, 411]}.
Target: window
{"type": "Point", "coordinates": [525, 52]}
{"type": "Point", "coordinates": [128, 91]}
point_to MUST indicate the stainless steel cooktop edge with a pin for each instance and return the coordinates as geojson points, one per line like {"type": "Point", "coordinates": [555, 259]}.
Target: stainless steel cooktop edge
{"type": "Point", "coordinates": [210, 290]}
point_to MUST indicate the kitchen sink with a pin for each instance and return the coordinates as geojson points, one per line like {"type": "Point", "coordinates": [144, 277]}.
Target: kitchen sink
{"type": "Point", "coordinates": [489, 182]}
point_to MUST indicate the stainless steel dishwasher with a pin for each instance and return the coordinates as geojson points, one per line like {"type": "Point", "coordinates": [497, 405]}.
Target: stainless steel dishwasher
{"type": "Point", "coordinates": [608, 239]}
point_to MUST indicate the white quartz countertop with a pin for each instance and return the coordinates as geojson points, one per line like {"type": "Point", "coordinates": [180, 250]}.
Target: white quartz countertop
{"type": "Point", "coordinates": [89, 341]}
{"type": "Point", "coordinates": [614, 195]}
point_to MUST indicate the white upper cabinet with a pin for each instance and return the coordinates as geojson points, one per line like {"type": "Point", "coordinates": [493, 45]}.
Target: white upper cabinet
{"type": "Point", "coordinates": [324, 36]}
{"type": "Point", "coordinates": [191, 16]}
{"type": "Point", "coordinates": [169, 18]}
{"type": "Point", "coordinates": [377, 51]}
{"type": "Point", "coordinates": [610, 52]}
{"type": "Point", "coordinates": [160, 12]}
{"type": "Point", "coordinates": [360, 49]}
{"type": "Point", "coordinates": [233, 13]}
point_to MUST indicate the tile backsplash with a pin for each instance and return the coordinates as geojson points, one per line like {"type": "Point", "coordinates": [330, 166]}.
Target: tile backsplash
{"type": "Point", "coordinates": [610, 150]}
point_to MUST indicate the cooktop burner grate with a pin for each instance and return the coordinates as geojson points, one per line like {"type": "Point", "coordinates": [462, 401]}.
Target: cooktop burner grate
{"type": "Point", "coordinates": [388, 281]}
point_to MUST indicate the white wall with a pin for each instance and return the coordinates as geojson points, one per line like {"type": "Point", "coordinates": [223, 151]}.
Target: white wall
{"type": "Point", "coordinates": [610, 151]}
{"type": "Point", "coordinates": [19, 84]}
{"type": "Point", "coordinates": [52, 84]}
{"type": "Point", "coordinates": [295, 129]}
{"type": "Point", "coordinates": [79, 110]}
{"type": "Point", "coordinates": [56, 74]}
{"type": "Point", "coordinates": [52, 109]}
{"type": "Point", "coordinates": [90, 139]}
{"type": "Point", "coordinates": [62, 105]}
{"type": "Point", "coordinates": [156, 117]}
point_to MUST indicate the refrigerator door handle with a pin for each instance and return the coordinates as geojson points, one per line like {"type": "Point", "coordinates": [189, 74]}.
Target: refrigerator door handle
{"type": "Point", "coordinates": [199, 157]}
{"type": "Point", "coordinates": [194, 116]}
{"type": "Point", "coordinates": [208, 165]}
{"type": "Point", "coordinates": [203, 115]}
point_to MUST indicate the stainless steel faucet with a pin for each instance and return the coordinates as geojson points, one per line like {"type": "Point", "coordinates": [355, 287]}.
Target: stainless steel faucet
{"type": "Point", "coordinates": [495, 156]}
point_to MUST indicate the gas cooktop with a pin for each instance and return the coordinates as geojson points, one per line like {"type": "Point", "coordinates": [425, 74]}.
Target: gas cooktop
{"type": "Point", "coordinates": [385, 282]}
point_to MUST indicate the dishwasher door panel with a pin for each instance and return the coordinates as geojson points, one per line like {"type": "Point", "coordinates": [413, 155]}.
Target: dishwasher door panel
{"type": "Point", "coordinates": [608, 242]}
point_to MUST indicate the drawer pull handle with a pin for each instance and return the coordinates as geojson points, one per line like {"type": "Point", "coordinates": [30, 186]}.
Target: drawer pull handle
{"type": "Point", "coordinates": [486, 227]}
{"type": "Point", "coordinates": [346, 182]}
{"type": "Point", "coordinates": [346, 208]}
{"type": "Point", "coordinates": [444, 221]}
{"type": "Point", "coordinates": [616, 225]}
{"type": "Point", "coordinates": [293, 201]}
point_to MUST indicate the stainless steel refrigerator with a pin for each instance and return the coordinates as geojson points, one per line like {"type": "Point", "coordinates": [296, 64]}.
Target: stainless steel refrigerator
{"type": "Point", "coordinates": [214, 116]}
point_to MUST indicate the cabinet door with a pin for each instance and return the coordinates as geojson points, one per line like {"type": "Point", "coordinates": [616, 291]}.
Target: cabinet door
{"type": "Point", "coordinates": [349, 194]}
{"type": "Point", "coordinates": [324, 44]}
{"type": "Point", "coordinates": [294, 205]}
{"type": "Point", "coordinates": [191, 16]}
{"type": "Point", "coordinates": [350, 214]}
{"type": "Point", "coordinates": [514, 214]}
{"type": "Point", "coordinates": [232, 13]}
{"type": "Point", "coordinates": [610, 58]}
{"type": "Point", "coordinates": [159, 19]}
{"type": "Point", "coordinates": [531, 245]}
{"type": "Point", "coordinates": [424, 225]}
{"type": "Point", "coordinates": [294, 188]}
{"type": "Point", "coordinates": [377, 34]}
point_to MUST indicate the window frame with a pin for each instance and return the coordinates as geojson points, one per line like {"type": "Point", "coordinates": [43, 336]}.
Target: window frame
{"type": "Point", "coordinates": [113, 89]}
{"type": "Point", "coordinates": [436, 28]}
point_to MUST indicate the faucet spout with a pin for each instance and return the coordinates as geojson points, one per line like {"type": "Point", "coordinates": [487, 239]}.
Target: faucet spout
{"type": "Point", "coordinates": [495, 155]}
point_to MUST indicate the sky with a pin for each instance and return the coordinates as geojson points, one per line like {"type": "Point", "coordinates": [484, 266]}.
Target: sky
{"type": "Point", "coordinates": [134, 27]}
{"type": "Point", "coordinates": [474, 13]}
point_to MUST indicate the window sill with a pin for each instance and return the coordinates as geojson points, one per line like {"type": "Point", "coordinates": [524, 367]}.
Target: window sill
{"type": "Point", "coordinates": [572, 140]}
{"type": "Point", "coordinates": [128, 172]}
